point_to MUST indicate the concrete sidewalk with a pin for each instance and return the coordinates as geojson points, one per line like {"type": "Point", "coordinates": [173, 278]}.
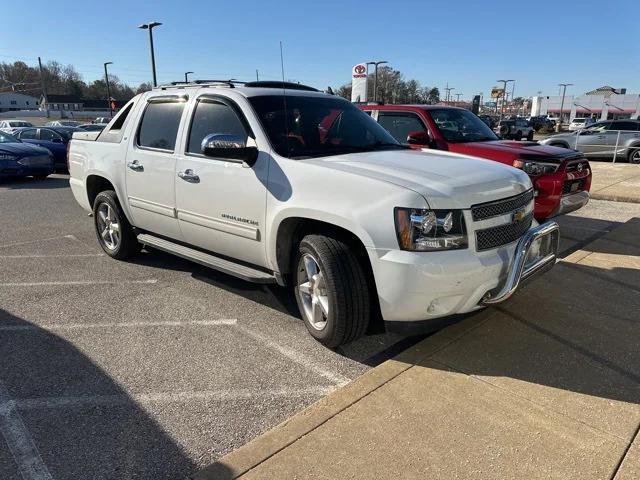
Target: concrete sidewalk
{"type": "Point", "coordinates": [619, 182]}
{"type": "Point", "coordinates": [545, 386]}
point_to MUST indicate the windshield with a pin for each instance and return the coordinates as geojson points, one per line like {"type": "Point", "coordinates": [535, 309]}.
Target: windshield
{"type": "Point", "coordinates": [319, 126]}
{"type": "Point", "coordinates": [6, 138]}
{"type": "Point", "coordinates": [461, 126]}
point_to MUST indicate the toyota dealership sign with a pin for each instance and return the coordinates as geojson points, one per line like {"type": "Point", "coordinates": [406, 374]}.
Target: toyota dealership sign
{"type": "Point", "coordinates": [359, 83]}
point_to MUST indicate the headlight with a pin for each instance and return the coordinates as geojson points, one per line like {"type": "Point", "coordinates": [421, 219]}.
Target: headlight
{"type": "Point", "coordinates": [6, 156]}
{"type": "Point", "coordinates": [535, 168]}
{"type": "Point", "coordinates": [430, 230]}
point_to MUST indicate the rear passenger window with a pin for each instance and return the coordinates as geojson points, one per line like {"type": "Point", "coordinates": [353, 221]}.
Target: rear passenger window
{"type": "Point", "coordinates": [159, 126]}
{"type": "Point", "coordinates": [212, 116]}
{"type": "Point", "coordinates": [400, 125]}
{"type": "Point", "coordinates": [624, 126]}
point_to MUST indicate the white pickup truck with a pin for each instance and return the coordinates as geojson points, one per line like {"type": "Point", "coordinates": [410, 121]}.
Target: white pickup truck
{"type": "Point", "coordinates": [279, 183]}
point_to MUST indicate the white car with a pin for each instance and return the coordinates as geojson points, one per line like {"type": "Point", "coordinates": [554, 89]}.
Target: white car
{"type": "Point", "coordinates": [9, 126]}
{"type": "Point", "coordinates": [278, 183]}
{"type": "Point", "coordinates": [580, 123]}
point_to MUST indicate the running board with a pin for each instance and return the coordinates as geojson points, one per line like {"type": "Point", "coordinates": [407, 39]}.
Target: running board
{"type": "Point", "coordinates": [225, 266]}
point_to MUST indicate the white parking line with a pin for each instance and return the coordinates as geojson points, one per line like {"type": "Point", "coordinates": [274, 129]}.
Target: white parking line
{"type": "Point", "coordinates": [75, 255]}
{"type": "Point", "coordinates": [15, 244]}
{"type": "Point", "coordinates": [78, 282]}
{"type": "Point", "coordinates": [82, 326]}
{"type": "Point", "coordinates": [299, 358]}
{"type": "Point", "coordinates": [164, 397]}
{"type": "Point", "coordinates": [21, 445]}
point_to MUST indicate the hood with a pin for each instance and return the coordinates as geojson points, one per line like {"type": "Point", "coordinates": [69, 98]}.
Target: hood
{"type": "Point", "coordinates": [526, 150]}
{"type": "Point", "coordinates": [23, 149]}
{"type": "Point", "coordinates": [444, 179]}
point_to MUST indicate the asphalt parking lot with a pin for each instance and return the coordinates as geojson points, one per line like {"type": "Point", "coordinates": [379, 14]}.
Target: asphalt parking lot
{"type": "Point", "coordinates": [154, 368]}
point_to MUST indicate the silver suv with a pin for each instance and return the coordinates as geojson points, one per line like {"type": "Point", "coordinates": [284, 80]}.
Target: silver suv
{"type": "Point", "coordinates": [606, 140]}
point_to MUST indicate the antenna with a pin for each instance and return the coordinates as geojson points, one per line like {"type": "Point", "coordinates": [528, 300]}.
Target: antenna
{"type": "Point", "coordinates": [284, 101]}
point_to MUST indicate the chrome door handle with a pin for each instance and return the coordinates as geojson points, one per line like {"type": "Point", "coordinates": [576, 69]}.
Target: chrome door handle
{"type": "Point", "coordinates": [136, 166]}
{"type": "Point", "coordinates": [189, 176]}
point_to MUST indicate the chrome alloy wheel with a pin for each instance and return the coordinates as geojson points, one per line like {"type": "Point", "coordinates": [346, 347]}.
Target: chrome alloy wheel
{"type": "Point", "coordinates": [635, 157]}
{"type": "Point", "coordinates": [108, 226]}
{"type": "Point", "coordinates": [312, 290]}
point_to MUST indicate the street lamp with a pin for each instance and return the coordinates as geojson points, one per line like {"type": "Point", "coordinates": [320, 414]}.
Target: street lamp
{"type": "Point", "coordinates": [186, 77]}
{"type": "Point", "coordinates": [149, 26]}
{"type": "Point", "coordinates": [564, 90]}
{"type": "Point", "coordinates": [375, 78]}
{"type": "Point", "coordinates": [504, 92]}
{"type": "Point", "coordinates": [106, 78]}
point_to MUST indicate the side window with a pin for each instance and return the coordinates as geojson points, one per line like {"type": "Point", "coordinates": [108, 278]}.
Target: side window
{"type": "Point", "coordinates": [118, 123]}
{"type": "Point", "coordinates": [212, 116]}
{"type": "Point", "coordinates": [624, 126]}
{"type": "Point", "coordinates": [400, 125]}
{"type": "Point", "coordinates": [49, 135]}
{"type": "Point", "coordinates": [28, 134]}
{"type": "Point", "coordinates": [159, 125]}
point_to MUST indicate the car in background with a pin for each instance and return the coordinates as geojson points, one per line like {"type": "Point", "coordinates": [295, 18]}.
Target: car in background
{"type": "Point", "coordinates": [102, 120]}
{"type": "Point", "coordinates": [488, 119]}
{"type": "Point", "coordinates": [8, 126]}
{"type": "Point", "coordinates": [603, 140]}
{"type": "Point", "coordinates": [541, 121]}
{"type": "Point", "coordinates": [515, 129]}
{"type": "Point", "coordinates": [580, 123]}
{"type": "Point", "coordinates": [54, 139]}
{"type": "Point", "coordinates": [561, 178]}
{"type": "Point", "coordinates": [63, 123]}
{"type": "Point", "coordinates": [18, 159]}
{"type": "Point", "coordinates": [92, 127]}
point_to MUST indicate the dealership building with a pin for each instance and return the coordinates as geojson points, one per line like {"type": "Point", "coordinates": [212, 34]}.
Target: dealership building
{"type": "Point", "coordinates": [604, 103]}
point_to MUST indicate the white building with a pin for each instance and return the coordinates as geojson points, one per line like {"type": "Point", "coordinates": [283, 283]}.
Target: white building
{"type": "Point", "coordinates": [607, 105]}
{"type": "Point", "coordinates": [12, 101]}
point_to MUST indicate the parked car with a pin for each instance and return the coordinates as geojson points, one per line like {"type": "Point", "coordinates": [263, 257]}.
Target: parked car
{"type": "Point", "coordinates": [540, 122]}
{"type": "Point", "coordinates": [54, 139]}
{"type": "Point", "coordinates": [63, 123]}
{"type": "Point", "coordinates": [561, 178]}
{"type": "Point", "coordinates": [8, 126]}
{"type": "Point", "coordinates": [19, 159]}
{"type": "Point", "coordinates": [102, 120]}
{"type": "Point", "coordinates": [515, 129]}
{"type": "Point", "coordinates": [580, 123]}
{"type": "Point", "coordinates": [600, 140]}
{"type": "Point", "coordinates": [92, 127]}
{"type": "Point", "coordinates": [306, 190]}
{"type": "Point", "coordinates": [488, 119]}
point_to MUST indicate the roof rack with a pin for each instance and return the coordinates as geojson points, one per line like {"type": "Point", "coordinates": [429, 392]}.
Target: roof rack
{"type": "Point", "coordinates": [199, 83]}
{"type": "Point", "coordinates": [278, 84]}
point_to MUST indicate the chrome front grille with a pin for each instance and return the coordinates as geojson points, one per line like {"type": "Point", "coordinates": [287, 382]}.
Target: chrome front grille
{"type": "Point", "coordinates": [494, 237]}
{"type": "Point", "coordinates": [486, 210]}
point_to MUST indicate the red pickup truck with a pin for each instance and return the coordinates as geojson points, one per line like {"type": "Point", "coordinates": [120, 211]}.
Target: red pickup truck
{"type": "Point", "coordinates": [561, 177]}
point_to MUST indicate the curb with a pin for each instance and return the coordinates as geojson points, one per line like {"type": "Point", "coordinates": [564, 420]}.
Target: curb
{"type": "Point", "coordinates": [614, 197]}
{"type": "Point", "coordinates": [261, 448]}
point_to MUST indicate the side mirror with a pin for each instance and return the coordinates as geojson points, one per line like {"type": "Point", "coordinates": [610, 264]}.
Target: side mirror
{"type": "Point", "coordinates": [221, 145]}
{"type": "Point", "coordinates": [418, 137]}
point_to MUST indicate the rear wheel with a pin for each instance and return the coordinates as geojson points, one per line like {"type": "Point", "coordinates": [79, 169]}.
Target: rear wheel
{"type": "Point", "coordinates": [114, 232]}
{"type": "Point", "coordinates": [634, 155]}
{"type": "Point", "coordinates": [331, 290]}
{"type": "Point", "coordinates": [518, 135]}
{"type": "Point", "coordinates": [530, 136]}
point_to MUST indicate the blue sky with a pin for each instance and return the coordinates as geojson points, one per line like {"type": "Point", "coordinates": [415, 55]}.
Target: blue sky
{"type": "Point", "coordinates": [467, 43]}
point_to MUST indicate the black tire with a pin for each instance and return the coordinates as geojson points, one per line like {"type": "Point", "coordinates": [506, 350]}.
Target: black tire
{"type": "Point", "coordinates": [634, 155]}
{"type": "Point", "coordinates": [346, 290]}
{"type": "Point", "coordinates": [128, 245]}
{"type": "Point", "coordinates": [518, 135]}
{"type": "Point", "coordinates": [530, 136]}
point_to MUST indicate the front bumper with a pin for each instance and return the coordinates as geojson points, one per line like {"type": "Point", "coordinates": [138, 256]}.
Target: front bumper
{"type": "Point", "coordinates": [570, 203]}
{"type": "Point", "coordinates": [420, 287]}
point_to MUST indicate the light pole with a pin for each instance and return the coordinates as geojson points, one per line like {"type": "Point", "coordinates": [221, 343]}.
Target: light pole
{"type": "Point", "coordinates": [186, 77]}
{"type": "Point", "coordinates": [504, 92]}
{"type": "Point", "coordinates": [564, 90]}
{"type": "Point", "coordinates": [106, 78]}
{"type": "Point", "coordinates": [375, 78]}
{"type": "Point", "coordinates": [149, 26]}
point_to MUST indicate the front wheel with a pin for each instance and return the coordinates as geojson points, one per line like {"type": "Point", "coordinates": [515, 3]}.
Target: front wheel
{"type": "Point", "coordinates": [331, 290]}
{"type": "Point", "coordinates": [114, 232]}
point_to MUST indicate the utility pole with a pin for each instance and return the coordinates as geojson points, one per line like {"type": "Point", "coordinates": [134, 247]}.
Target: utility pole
{"type": "Point", "coordinates": [44, 88]}
{"type": "Point", "coordinates": [504, 95]}
{"type": "Point", "coordinates": [458, 95]}
{"type": "Point", "coordinates": [448, 95]}
{"type": "Point", "coordinates": [106, 78]}
{"type": "Point", "coordinates": [257, 76]}
{"type": "Point", "coordinates": [564, 91]}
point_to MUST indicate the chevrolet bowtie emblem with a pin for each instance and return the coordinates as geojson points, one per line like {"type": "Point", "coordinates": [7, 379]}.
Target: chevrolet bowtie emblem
{"type": "Point", "coordinates": [518, 215]}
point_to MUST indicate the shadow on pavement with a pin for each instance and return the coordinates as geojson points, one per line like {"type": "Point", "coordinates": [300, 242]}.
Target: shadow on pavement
{"type": "Point", "coordinates": [29, 183]}
{"type": "Point", "coordinates": [81, 421]}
